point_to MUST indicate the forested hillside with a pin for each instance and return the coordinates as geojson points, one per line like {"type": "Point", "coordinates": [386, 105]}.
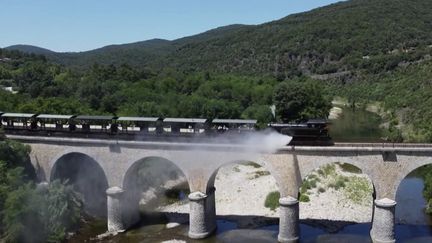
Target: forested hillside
{"type": "Point", "coordinates": [340, 40]}
{"type": "Point", "coordinates": [364, 50]}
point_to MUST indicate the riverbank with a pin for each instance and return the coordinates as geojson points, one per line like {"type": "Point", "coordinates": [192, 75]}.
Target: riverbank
{"type": "Point", "coordinates": [241, 190]}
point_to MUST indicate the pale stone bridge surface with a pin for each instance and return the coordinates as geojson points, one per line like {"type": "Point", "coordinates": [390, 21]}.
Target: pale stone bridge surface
{"type": "Point", "coordinates": [386, 166]}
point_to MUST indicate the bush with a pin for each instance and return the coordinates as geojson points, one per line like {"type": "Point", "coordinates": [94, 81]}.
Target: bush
{"type": "Point", "coordinates": [40, 215]}
{"type": "Point", "coordinates": [349, 168]}
{"type": "Point", "coordinates": [304, 198]}
{"type": "Point", "coordinates": [253, 164]}
{"type": "Point", "coordinates": [272, 200]}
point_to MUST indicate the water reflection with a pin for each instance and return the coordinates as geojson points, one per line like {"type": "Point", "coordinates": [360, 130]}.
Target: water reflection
{"type": "Point", "coordinates": [410, 208]}
{"type": "Point", "coordinates": [356, 126]}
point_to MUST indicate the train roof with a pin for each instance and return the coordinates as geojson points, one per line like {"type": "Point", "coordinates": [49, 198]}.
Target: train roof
{"type": "Point", "coordinates": [235, 121]}
{"type": "Point", "coordinates": [50, 116]}
{"type": "Point", "coordinates": [138, 119]}
{"type": "Point", "coordinates": [103, 118]}
{"type": "Point", "coordinates": [185, 120]}
{"type": "Point", "coordinates": [317, 121]}
{"type": "Point", "coordinates": [18, 115]}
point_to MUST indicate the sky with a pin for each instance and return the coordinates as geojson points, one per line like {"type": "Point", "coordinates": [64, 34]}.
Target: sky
{"type": "Point", "coordinates": [81, 25]}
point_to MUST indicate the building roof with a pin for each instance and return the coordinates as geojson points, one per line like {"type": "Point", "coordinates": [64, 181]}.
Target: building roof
{"type": "Point", "coordinates": [95, 117]}
{"type": "Point", "coordinates": [18, 115]}
{"type": "Point", "coordinates": [185, 120]}
{"type": "Point", "coordinates": [50, 116]}
{"type": "Point", "coordinates": [142, 119]}
{"type": "Point", "coordinates": [236, 121]}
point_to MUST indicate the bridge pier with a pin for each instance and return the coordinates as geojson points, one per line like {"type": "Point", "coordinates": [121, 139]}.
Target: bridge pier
{"type": "Point", "coordinates": [202, 215]}
{"type": "Point", "coordinates": [383, 221]}
{"type": "Point", "coordinates": [115, 211]}
{"type": "Point", "coordinates": [289, 230]}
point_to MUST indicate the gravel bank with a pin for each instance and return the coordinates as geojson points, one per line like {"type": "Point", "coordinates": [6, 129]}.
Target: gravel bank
{"type": "Point", "coordinates": [242, 190]}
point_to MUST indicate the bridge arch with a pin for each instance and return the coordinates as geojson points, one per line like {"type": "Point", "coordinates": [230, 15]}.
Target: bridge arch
{"type": "Point", "coordinates": [409, 167]}
{"type": "Point", "coordinates": [150, 179]}
{"type": "Point", "coordinates": [86, 176]}
{"type": "Point", "coordinates": [135, 166]}
{"type": "Point", "coordinates": [242, 182]}
{"type": "Point", "coordinates": [410, 202]}
{"type": "Point", "coordinates": [211, 181]}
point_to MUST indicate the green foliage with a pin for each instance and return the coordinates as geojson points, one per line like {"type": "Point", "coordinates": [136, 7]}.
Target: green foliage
{"type": "Point", "coordinates": [426, 174]}
{"type": "Point", "coordinates": [16, 154]}
{"type": "Point", "coordinates": [260, 173]}
{"type": "Point", "coordinates": [304, 198]}
{"type": "Point", "coordinates": [29, 214]}
{"type": "Point", "coordinates": [232, 71]}
{"type": "Point", "coordinates": [36, 215]}
{"type": "Point", "coordinates": [262, 113]}
{"type": "Point", "coordinates": [2, 134]}
{"type": "Point", "coordinates": [349, 168]}
{"type": "Point", "coordinates": [300, 101]}
{"type": "Point", "coordinates": [272, 200]}
{"type": "Point", "coordinates": [252, 164]}
{"type": "Point", "coordinates": [358, 189]}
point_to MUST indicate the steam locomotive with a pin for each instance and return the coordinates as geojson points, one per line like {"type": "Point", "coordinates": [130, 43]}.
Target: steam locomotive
{"type": "Point", "coordinates": [312, 132]}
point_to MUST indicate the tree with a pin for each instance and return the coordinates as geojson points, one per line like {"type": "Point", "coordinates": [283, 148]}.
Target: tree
{"type": "Point", "coordinates": [300, 101]}
{"type": "Point", "coordinates": [262, 113]}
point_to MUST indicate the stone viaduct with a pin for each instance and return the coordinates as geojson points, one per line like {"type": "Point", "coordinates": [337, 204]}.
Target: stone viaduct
{"type": "Point", "coordinates": [386, 166]}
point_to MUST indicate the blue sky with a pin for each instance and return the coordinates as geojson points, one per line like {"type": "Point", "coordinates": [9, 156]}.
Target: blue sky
{"type": "Point", "coordinates": [80, 25]}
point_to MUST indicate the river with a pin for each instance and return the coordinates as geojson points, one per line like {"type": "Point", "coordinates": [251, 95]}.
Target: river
{"type": "Point", "coordinates": [413, 225]}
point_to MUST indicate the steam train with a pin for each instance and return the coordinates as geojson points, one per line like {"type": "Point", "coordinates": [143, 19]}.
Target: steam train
{"type": "Point", "coordinates": [312, 132]}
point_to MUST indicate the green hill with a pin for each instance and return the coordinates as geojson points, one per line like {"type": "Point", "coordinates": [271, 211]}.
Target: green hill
{"type": "Point", "coordinates": [338, 39]}
{"type": "Point", "coordinates": [364, 50]}
{"type": "Point", "coordinates": [30, 49]}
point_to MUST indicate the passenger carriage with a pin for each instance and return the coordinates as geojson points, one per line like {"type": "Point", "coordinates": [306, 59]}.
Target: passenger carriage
{"type": "Point", "coordinates": [233, 126]}
{"type": "Point", "coordinates": [19, 121]}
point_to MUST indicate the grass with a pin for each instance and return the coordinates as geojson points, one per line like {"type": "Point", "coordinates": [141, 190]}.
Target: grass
{"type": "Point", "coordinates": [253, 164]}
{"type": "Point", "coordinates": [358, 189]}
{"type": "Point", "coordinates": [272, 200]}
{"type": "Point", "coordinates": [236, 169]}
{"type": "Point", "coordinates": [261, 173]}
{"type": "Point", "coordinates": [304, 198]}
{"type": "Point", "coordinates": [349, 168]}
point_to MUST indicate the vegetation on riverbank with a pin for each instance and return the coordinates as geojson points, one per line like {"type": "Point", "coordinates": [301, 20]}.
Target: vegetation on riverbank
{"type": "Point", "coordinates": [337, 176]}
{"type": "Point", "coordinates": [30, 212]}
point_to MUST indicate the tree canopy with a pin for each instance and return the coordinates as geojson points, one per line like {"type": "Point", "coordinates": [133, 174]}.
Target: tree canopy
{"type": "Point", "coordinates": [296, 101]}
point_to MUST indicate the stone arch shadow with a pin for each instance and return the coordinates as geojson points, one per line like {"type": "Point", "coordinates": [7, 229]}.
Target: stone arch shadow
{"type": "Point", "coordinates": [145, 181]}
{"type": "Point", "coordinates": [86, 176]}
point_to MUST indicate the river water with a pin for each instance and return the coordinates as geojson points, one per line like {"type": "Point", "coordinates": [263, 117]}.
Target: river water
{"type": "Point", "coordinates": [413, 224]}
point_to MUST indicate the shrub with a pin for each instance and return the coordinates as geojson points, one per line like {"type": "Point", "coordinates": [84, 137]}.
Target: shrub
{"type": "Point", "coordinates": [253, 164]}
{"type": "Point", "coordinates": [272, 200]}
{"type": "Point", "coordinates": [304, 198]}
{"type": "Point", "coordinates": [349, 168]}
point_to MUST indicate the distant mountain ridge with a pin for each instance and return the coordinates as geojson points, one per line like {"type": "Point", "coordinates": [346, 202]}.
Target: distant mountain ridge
{"type": "Point", "coordinates": [332, 41]}
{"type": "Point", "coordinates": [30, 49]}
